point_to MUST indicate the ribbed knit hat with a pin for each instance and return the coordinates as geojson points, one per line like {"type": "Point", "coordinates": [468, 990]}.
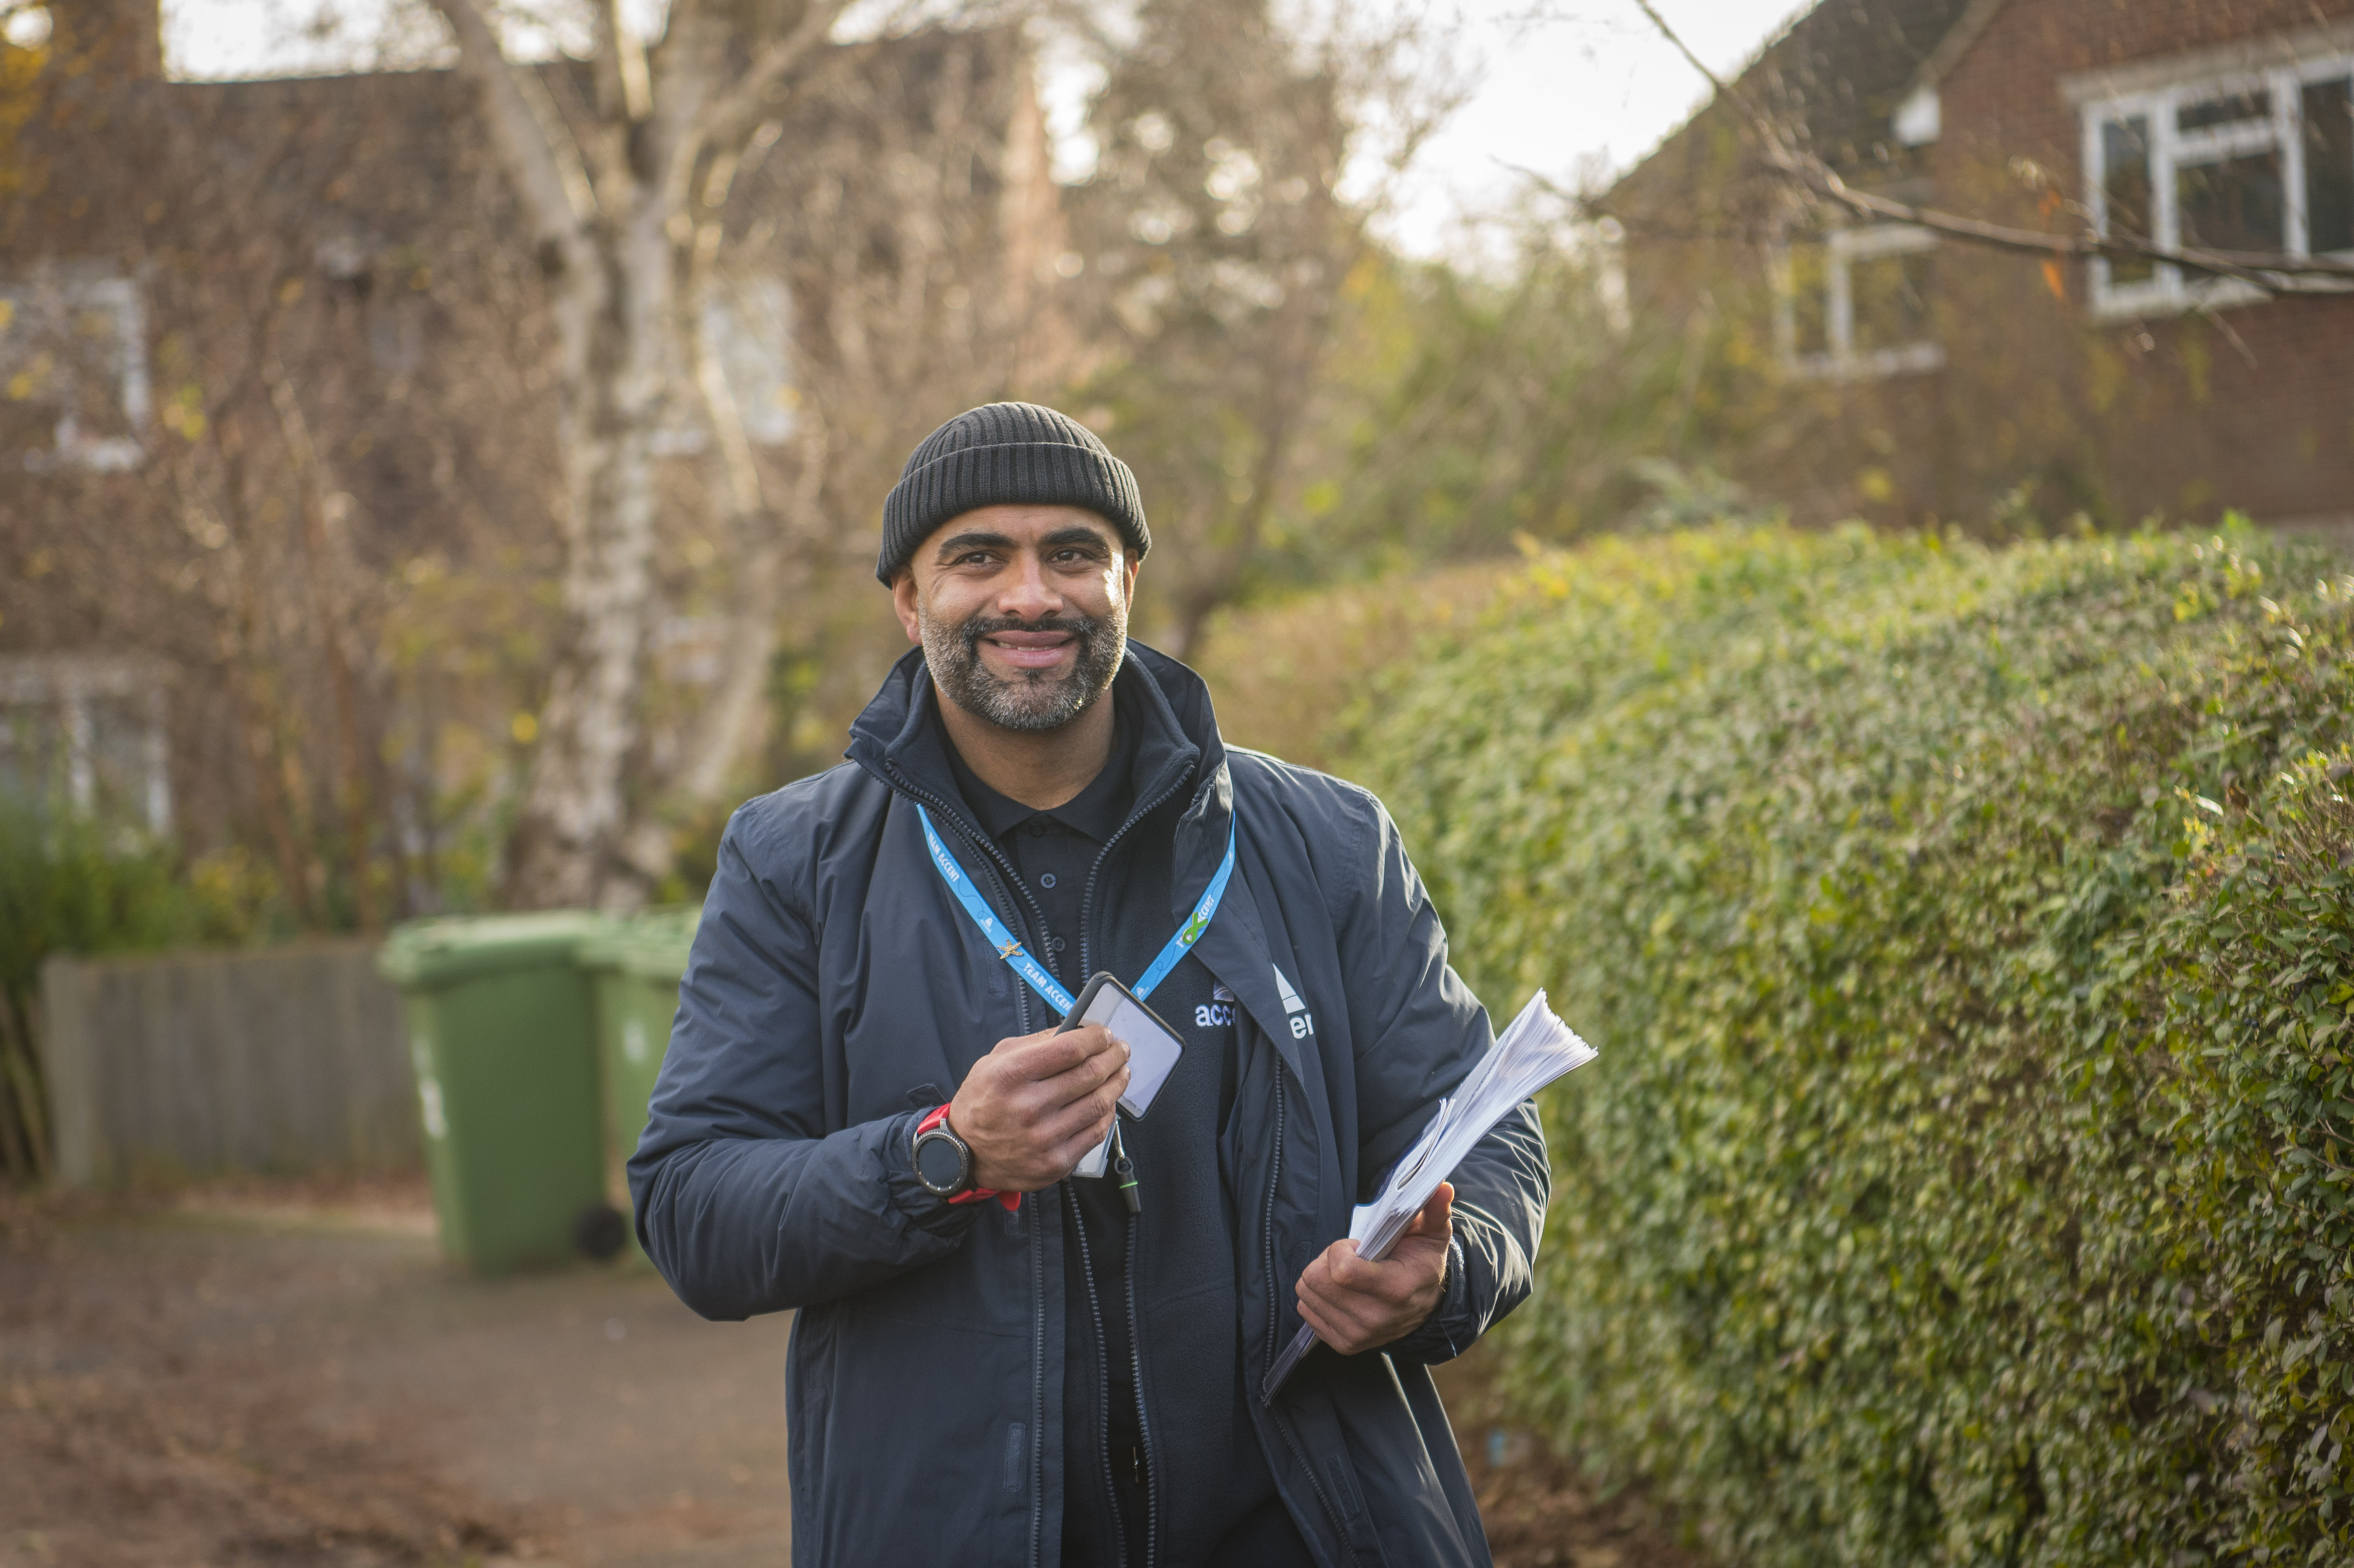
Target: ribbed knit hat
{"type": "Point", "coordinates": [1007, 454]}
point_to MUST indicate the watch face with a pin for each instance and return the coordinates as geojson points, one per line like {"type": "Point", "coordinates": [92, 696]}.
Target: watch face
{"type": "Point", "coordinates": [940, 1163]}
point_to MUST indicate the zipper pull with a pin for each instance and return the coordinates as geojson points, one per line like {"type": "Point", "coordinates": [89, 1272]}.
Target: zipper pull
{"type": "Point", "coordinates": [1125, 1169]}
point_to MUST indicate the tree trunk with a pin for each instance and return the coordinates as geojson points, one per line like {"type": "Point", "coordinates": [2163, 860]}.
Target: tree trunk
{"type": "Point", "coordinates": [609, 321]}
{"type": "Point", "coordinates": [759, 540]}
{"type": "Point", "coordinates": [610, 196]}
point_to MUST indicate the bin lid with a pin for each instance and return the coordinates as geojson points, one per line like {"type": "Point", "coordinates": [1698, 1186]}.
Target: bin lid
{"type": "Point", "coordinates": [423, 954]}
{"type": "Point", "coordinates": [654, 943]}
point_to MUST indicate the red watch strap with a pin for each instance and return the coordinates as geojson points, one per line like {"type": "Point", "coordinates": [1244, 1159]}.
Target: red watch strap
{"type": "Point", "coordinates": [1012, 1201]}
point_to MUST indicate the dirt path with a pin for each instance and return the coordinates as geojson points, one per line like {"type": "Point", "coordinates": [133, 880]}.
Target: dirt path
{"type": "Point", "coordinates": [288, 1378]}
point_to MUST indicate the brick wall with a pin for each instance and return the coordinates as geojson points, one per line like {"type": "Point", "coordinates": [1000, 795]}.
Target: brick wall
{"type": "Point", "coordinates": [2252, 407]}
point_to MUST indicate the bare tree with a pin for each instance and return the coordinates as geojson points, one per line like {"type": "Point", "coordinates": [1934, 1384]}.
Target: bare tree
{"type": "Point", "coordinates": [1215, 244]}
{"type": "Point", "coordinates": [908, 241]}
{"type": "Point", "coordinates": [626, 184]}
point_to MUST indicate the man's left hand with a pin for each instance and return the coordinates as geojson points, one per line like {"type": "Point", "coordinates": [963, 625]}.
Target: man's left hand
{"type": "Point", "coordinates": [1357, 1306]}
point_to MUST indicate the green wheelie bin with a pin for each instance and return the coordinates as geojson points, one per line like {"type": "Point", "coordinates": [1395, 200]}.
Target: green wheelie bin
{"type": "Point", "coordinates": [635, 964]}
{"type": "Point", "coordinates": [502, 1032]}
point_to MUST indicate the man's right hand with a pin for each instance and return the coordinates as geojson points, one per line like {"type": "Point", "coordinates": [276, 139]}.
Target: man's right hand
{"type": "Point", "coordinates": [1032, 1108]}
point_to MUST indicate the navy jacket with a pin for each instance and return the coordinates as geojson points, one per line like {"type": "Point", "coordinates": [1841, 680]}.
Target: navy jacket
{"type": "Point", "coordinates": [836, 992]}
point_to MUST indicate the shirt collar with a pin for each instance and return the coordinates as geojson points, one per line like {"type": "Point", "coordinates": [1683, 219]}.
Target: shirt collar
{"type": "Point", "coordinates": [1096, 811]}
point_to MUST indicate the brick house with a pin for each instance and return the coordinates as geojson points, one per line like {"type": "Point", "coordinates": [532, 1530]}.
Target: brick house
{"type": "Point", "coordinates": [1875, 367]}
{"type": "Point", "coordinates": [275, 433]}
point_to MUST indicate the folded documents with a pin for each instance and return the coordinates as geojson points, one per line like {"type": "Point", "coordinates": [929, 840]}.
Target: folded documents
{"type": "Point", "coordinates": [1535, 1050]}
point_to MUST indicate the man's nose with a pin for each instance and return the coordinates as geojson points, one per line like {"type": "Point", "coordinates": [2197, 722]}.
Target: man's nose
{"type": "Point", "coordinates": [1030, 596]}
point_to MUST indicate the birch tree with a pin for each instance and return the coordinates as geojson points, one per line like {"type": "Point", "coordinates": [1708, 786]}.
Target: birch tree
{"type": "Point", "coordinates": [625, 183]}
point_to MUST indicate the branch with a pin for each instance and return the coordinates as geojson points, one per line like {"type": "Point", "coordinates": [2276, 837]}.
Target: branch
{"type": "Point", "coordinates": [628, 80]}
{"type": "Point", "coordinates": [548, 178]}
{"type": "Point", "coordinates": [1724, 89]}
{"type": "Point", "coordinates": [2271, 271]}
{"type": "Point", "coordinates": [727, 116]}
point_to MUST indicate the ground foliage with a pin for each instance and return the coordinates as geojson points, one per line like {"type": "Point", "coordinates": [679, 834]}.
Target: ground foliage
{"type": "Point", "coordinates": [75, 885]}
{"type": "Point", "coordinates": [1966, 935]}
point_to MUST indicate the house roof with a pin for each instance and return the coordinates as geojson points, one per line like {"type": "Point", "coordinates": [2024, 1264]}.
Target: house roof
{"type": "Point", "coordinates": [1834, 78]}
{"type": "Point", "coordinates": [1955, 44]}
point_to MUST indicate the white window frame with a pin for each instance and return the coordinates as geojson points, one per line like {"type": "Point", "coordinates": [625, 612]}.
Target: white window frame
{"type": "Point", "coordinates": [118, 298]}
{"type": "Point", "coordinates": [61, 688]}
{"type": "Point", "coordinates": [2169, 290]}
{"type": "Point", "coordinates": [1842, 249]}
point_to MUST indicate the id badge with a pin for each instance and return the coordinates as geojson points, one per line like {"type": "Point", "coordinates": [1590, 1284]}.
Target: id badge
{"type": "Point", "coordinates": [1152, 1049]}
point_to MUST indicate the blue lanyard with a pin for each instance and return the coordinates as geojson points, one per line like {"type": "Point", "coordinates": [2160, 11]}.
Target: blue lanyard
{"type": "Point", "coordinates": [1042, 980]}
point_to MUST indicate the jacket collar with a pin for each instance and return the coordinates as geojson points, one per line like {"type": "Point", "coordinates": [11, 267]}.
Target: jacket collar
{"type": "Point", "coordinates": [899, 740]}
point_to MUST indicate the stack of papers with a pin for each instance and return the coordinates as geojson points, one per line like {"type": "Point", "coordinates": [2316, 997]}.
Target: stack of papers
{"type": "Point", "coordinates": [1537, 1049]}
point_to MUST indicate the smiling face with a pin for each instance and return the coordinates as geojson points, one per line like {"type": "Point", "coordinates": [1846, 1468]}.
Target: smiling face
{"type": "Point", "coordinates": [1022, 612]}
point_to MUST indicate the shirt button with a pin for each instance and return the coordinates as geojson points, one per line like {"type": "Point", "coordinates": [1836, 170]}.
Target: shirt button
{"type": "Point", "coordinates": [1037, 830]}
{"type": "Point", "coordinates": [1047, 880]}
{"type": "Point", "coordinates": [1059, 943]}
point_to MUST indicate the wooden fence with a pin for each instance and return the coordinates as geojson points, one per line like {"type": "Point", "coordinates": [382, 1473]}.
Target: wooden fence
{"type": "Point", "coordinates": [183, 1065]}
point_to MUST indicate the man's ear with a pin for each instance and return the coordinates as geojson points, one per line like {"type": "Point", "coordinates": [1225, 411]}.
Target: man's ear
{"type": "Point", "coordinates": [1130, 564]}
{"type": "Point", "coordinates": [903, 601]}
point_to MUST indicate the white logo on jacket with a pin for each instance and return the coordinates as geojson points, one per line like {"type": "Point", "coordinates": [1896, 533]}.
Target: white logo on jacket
{"type": "Point", "coordinates": [1303, 1022]}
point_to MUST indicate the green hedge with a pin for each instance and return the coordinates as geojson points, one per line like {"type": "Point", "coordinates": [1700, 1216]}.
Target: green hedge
{"type": "Point", "coordinates": [1966, 937]}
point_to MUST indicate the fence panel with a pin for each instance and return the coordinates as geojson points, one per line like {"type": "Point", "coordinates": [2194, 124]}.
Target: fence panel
{"type": "Point", "coordinates": [174, 1064]}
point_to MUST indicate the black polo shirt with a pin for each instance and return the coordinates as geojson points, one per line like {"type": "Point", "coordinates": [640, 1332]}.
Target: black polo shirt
{"type": "Point", "coordinates": [1055, 850]}
{"type": "Point", "coordinates": [1121, 924]}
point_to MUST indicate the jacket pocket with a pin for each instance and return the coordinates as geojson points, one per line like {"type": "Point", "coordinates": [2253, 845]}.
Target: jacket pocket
{"type": "Point", "coordinates": [1014, 1435]}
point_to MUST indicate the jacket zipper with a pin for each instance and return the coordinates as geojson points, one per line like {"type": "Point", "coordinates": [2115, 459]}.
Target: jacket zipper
{"type": "Point", "coordinates": [1014, 883]}
{"type": "Point", "coordinates": [1013, 880]}
{"type": "Point", "coordinates": [1143, 1427]}
{"type": "Point", "coordinates": [1087, 899]}
{"type": "Point", "coordinates": [1135, 1338]}
{"type": "Point", "coordinates": [1274, 1276]}
{"type": "Point", "coordinates": [1037, 1375]}
{"type": "Point", "coordinates": [1275, 1321]}
{"type": "Point", "coordinates": [1103, 1380]}
{"type": "Point", "coordinates": [1037, 1240]}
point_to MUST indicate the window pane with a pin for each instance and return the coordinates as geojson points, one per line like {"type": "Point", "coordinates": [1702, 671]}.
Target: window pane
{"type": "Point", "coordinates": [2235, 205]}
{"type": "Point", "coordinates": [118, 759]}
{"type": "Point", "coordinates": [1810, 306]}
{"type": "Point", "coordinates": [2125, 185]}
{"type": "Point", "coordinates": [2228, 109]}
{"type": "Point", "coordinates": [32, 755]}
{"type": "Point", "coordinates": [1890, 298]}
{"type": "Point", "coordinates": [65, 354]}
{"type": "Point", "coordinates": [2329, 167]}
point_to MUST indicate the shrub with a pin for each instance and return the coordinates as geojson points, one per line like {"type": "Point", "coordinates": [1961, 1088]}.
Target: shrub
{"type": "Point", "coordinates": [2258, 970]}
{"type": "Point", "coordinates": [1967, 937]}
{"type": "Point", "coordinates": [1289, 676]}
{"type": "Point", "coordinates": [72, 885]}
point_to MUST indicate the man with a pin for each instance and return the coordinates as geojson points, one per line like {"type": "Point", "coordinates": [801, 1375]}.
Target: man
{"type": "Point", "coordinates": [866, 1116]}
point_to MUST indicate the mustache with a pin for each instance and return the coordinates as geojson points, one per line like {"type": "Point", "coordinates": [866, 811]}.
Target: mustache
{"type": "Point", "coordinates": [1082, 627]}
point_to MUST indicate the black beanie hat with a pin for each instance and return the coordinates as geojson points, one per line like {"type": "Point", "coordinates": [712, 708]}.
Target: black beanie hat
{"type": "Point", "coordinates": [1007, 454]}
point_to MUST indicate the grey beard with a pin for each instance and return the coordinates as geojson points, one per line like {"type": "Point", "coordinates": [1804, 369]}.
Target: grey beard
{"type": "Point", "coordinates": [1037, 700]}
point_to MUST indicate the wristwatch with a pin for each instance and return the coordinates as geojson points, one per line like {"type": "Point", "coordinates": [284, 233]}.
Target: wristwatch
{"type": "Point", "coordinates": [943, 1164]}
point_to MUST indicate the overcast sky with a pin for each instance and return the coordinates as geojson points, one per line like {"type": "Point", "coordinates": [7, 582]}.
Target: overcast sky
{"type": "Point", "coordinates": [1566, 88]}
